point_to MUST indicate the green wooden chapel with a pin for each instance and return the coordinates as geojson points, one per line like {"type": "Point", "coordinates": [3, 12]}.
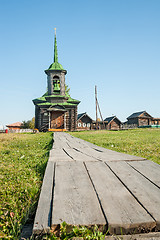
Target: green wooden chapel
{"type": "Point", "coordinates": [55, 110]}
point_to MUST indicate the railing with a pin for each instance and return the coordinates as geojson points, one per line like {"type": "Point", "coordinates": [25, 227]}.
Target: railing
{"type": "Point", "coordinates": [44, 127]}
{"type": "Point", "coordinates": [129, 126]}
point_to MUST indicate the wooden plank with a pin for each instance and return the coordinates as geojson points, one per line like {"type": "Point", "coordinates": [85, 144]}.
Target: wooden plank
{"type": "Point", "coordinates": [75, 142]}
{"type": "Point", "coordinates": [143, 236]}
{"type": "Point", "coordinates": [79, 156]}
{"type": "Point", "coordinates": [107, 155]}
{"type": "Point", "coordinates": [149, 169]}
{"type": "Point", "coordinates": [122, 211]}
{"type": "Point", "coordinates": [43, 214]}
{"type": "Point", "coordinates": [57, 155]}
{"type": "Point", "coordinates": [60, 141]}
{"type": "Point", "coordinates": [146, 192]}
{"type": "Point", "coordinates": [75, 201]}
{"type": "Point", "coordinates": [89, 152]}
{"type": "Point", "coordinates": [100, 152]}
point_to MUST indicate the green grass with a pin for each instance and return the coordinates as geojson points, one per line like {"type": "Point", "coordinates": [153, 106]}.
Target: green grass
{"type": "Point", "coordinates": [72, 232]}
{"type": "Point", "coordinates": [139, 142]}
{"type": "Point", "coordinates": [23, 159]}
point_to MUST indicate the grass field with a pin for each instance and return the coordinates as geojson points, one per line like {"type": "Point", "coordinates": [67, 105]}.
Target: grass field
{"type": "Point", "coordinates": [140, 142]}
{"type": "Point", "coordinates": [23, 159]}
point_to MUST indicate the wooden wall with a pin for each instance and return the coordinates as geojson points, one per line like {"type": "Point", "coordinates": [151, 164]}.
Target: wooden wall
{"type": "Point", "coordinates": [81, 125]}
{"type": "Point", "coordinates": [114, 125]}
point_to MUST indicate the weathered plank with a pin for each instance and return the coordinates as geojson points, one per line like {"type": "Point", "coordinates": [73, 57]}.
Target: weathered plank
{"type": "Point", "coordinates": [89, 152]}
{"type": "Point", "coordinates": [144, 191]}
{"type": "Point", "coordinates": [43, 214]}
{"type": "Point", "coordinates": [76, 142]}
{"type": "Point", "coordinates": [78, 156]}
{"type": "Point", "coordinates": [122, 210]}
{"type": "Point", "coordinates": [57, 155]}
{"type": "Point", "coordinates": [75, 201]}
{"type": "Point", "coordinates": [149, 169]}
{"type": "Point", "coordinates": [97, 151]}
{"type": "Point", "coordinates": [143, 236]}
{"type": "Point", "coordinates": [60, 141]}
{"type": "Point", "coordinates": [107, 155]}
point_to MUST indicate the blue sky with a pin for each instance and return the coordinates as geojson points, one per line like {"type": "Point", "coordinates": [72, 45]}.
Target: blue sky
{"type": "Point", "coordinates": [114, 44]}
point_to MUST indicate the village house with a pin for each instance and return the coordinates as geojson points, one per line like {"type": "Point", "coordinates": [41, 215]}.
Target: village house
{"type": "Point", "coordinates": [56, 110]}
{"type": "Point", "coordinates": [84, 122]}
{"type": "Point", "coordinates": [113, 123]}
{"type": "Point", "coordinates": [99, 125]}
{"type": "Point", "coordinates": [156, 121]}
{"type": "Point", "coordinates": [15, 126]}
{"type": "Point", "coordinates": [141, 119]}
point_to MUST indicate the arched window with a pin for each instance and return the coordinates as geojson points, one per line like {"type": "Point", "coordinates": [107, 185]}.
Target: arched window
{"type": "Point", "coordinates": [56, 84]}
{"type": "Point", "coordinates": [55, 77]}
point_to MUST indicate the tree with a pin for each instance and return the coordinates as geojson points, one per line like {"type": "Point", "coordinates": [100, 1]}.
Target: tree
{"type": "Point", "coordinates": [32, 123]}
{"type": "Point", "coordinates": [25, 124]}
{"type": "Point", "coordinates": [67, 90]}
{"type": "Point", "coordinates": [28, 124]}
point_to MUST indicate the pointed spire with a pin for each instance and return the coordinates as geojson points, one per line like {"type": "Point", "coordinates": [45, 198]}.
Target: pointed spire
{"type": "Point", "coordinates": [55, 65]}
{"type": "Point", "coordinates": [55, 49]}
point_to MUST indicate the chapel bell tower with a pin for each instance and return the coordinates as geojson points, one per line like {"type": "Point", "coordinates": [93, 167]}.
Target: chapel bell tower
{"type": "Point", "coordinates": [56, 75]}
{"type": "Point", "coordinates": [56, 110]}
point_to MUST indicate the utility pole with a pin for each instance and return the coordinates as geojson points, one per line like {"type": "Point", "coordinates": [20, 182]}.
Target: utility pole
{"type": "Point", "coordinates": [96, 107]}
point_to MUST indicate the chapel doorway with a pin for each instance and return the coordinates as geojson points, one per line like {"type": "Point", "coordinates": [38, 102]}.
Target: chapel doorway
{"type": "Point", "coordinates": [57, 120]}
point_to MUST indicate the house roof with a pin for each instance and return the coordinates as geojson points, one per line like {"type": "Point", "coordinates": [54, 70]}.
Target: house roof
{"type": "Point", "coordinates": [17, 124]}
{"type": "Point", "coordinates": [80, 115]}
{"type": "Point", "coordinates": [109, 119]}
{"type": "Point", "coordinates": [137, 114]}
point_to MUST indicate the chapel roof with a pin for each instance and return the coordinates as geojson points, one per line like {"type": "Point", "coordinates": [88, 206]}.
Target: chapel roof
{"type": "Point", "coordinates": [55, 65]}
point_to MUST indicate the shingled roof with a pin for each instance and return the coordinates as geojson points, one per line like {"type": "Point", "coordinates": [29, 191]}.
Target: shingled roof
{"type": "Point", "coordinates": [137, 114]}
{"type": "Point", "coordinates": [109, 119]}
{"type": "Point", "coordinates": [17, 124]}
{"type": "Point", "coordinates": [80, 115]}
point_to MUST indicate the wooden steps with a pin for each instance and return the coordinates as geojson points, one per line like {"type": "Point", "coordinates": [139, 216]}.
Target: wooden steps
{"type": "Point", "coordinates": [56, 130]}
{"type": "Point", "coordinates": [86, 185]}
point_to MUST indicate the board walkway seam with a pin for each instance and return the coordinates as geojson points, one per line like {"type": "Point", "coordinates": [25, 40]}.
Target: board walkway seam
{"type": "Point", "coordinates": [96, 194]}
{"type": "Point", "coordinates": [143, 175]}
{"type": "Point", "coordinates": [131, 192]}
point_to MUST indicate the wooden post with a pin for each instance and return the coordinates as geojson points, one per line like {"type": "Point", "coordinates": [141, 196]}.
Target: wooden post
{"type": "Point", "coordinates": [64, 120]}
{"type": "Point", "coordinates": [49, 120]}
{"type": "Point", "coordinates": [96, 107]}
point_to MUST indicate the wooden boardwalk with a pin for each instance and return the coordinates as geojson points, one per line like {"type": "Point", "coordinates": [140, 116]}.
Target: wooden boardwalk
{"type": "Point", "coordinates": [85, 185]}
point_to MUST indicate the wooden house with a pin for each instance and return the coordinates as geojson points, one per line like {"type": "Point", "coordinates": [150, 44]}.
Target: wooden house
{"type": "Point", "coordinates": [113, 123]}
{"type": "Point", "coordinates": [84, 122]}
{"type": "Point", "coordinates": [155, 121]}
{"type": "Point", "coordinates": [99, 125]}
{"type": "Point", "coordinates": [56, 110]}
{"type": "Point", "coordinates": [140, 119]}
{"type": "Point", "coordinates": [15, 126]}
